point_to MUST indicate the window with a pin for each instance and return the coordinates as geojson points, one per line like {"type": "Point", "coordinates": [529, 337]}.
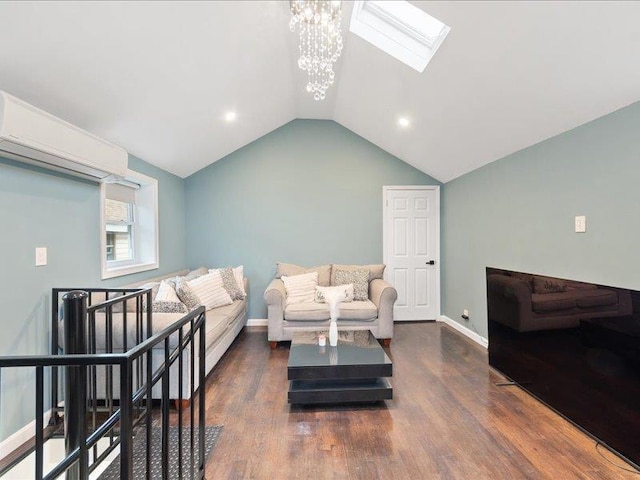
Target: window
{"type": "Point", "coordinates": [400, 29]}
{"type": "Point", "coordinates": [129, 213]}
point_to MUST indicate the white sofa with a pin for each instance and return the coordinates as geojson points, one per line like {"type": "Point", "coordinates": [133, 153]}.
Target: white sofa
{"type": "Point", "coordinates": [374, 314]}
{"type": "Point", "coordinates": [223, 324]}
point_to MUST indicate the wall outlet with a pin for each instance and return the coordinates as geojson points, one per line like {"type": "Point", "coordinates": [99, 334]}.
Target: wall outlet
{"type": "Point", "coordinates": [465, 314]}
{"type": "Point", "coordinates": [581, 224]}
{"type": "Point", "coordinates": [41, 256]}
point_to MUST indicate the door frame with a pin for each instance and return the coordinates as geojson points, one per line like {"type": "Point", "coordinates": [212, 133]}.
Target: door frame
{"type": "Point", "coordinates": [385, 233]}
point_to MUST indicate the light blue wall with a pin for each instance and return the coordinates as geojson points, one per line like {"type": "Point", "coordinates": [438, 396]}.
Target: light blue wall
{"type": "Point", "coordinates": [518, 213]}
{"type": "Point", "coordinates": [308, 193]}
{"type": "Point", "coordinates": [39, 208]}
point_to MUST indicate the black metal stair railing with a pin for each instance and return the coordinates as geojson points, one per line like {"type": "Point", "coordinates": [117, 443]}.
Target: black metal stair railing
{"type": "Point", "coordinates": [118, 405]}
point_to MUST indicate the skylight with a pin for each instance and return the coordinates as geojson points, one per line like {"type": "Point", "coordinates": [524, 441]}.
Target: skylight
{"type": "Point", "coordinates": [399, 29]}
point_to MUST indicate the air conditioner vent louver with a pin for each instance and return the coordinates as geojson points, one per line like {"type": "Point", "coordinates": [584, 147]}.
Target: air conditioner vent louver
{"type": "Point", "coordinates": [31, 135]}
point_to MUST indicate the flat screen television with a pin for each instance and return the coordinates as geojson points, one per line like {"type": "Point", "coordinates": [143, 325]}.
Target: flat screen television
{"type": "Point", "coordinates": [573, 345]}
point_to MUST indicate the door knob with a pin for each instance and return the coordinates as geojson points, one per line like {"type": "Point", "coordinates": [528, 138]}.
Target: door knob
{"type": "Point", "coordinates": [431, 262]}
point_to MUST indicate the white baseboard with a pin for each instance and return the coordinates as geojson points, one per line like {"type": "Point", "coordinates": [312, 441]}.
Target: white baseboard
{"type": "Point", "coordinates": [26, 433]}
{"type": "Point", "coordinates": [257, 322]}
{"type": "Point", "coordinates": [464, 330]}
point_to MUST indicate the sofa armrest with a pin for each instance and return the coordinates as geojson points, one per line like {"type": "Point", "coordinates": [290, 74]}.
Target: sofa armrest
{"type": "Point", "coordinates": [509, 302]}
{"type": "Point", "coordinates": [275, 296]}
{"type": "Point", "coordinates": [383, 295]}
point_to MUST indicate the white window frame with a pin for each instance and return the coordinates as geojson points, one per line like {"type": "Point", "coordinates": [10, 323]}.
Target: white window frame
{"type": "Point", "coordinates": [146, 245]}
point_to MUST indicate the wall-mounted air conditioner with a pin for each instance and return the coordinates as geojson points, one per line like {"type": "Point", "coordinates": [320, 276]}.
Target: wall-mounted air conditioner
{"type": "Point", "coordinates": [30, 135]}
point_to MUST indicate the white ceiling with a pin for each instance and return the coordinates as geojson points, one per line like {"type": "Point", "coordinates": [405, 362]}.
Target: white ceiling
{"type": "Point", "coordinates": [157, 77]}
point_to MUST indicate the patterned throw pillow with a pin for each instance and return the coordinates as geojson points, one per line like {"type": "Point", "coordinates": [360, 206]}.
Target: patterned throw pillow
{"type": "Point", "coordinates": [168, 307]}
{"type": "Point", "coordinates": [187, 296]}
{"type": "Point", "coordinates": [360, 280]}
{"type": "Point", "coordinates": [229, 282]}
{"type": "Point", "coordinates": [548, 285]}
{"type": "Point", "coordinates": [346, 290]}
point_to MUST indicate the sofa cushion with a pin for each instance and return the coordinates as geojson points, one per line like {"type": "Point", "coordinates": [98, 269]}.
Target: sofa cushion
{"type": "Point", "coordinates": [300, 288]}
{"type": "Point", "coordinates": [375, 270]}
{"type": "Point", "coordinates": [288, 270]}
{"type": "Point", "coordinates": [160, 322]}
{"type": "Point", "coordinates": [548, 285]}
{"type": "Point", "coordinates": [307, 311]}
{"type": "Point", "coordinates": [361, 310]}
{"type": "Point", "coordinates": [219, 319]}
{"type": "Point", "coordinates": [359, 279]}
{"type": "Point", "coordinates": [600, 297]}
{"type": "Point", "coordinates": [550, 302]}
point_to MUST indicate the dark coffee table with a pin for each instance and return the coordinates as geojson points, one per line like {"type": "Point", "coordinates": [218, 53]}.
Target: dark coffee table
{"type": "Point", "coordinates": [352, 371]}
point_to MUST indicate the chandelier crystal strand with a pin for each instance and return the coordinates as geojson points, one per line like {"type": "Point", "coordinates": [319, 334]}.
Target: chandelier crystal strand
{"type": "Point", "coordinates": [320, 41]}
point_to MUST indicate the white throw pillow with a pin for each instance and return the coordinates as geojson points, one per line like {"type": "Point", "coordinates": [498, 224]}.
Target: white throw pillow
{"type": "Point", "coordinates": [300, 288]}
{"type": "Point", "coordinates": [346, 292]}
{"type": "Point", "coordinates": [209, 290]}
{"type": "Point", "coordinates": [238, 272]}
{"type": "Point", "coordinates": [166, 293]}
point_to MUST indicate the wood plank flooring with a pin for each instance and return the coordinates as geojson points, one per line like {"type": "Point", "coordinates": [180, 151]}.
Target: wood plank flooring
{"type": "Point", "coordinates": [447, 420]}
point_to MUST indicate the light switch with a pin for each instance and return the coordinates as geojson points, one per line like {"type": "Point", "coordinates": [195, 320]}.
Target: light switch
{"type": "Point", "coordinates": [581, 224]}
{"type": "Point", "coordinates": [41, 256]}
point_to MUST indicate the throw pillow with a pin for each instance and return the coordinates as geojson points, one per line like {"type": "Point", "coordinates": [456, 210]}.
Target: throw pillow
{"type": "Point", "coordinates": [360, 280]}
{"type": "Point", "coordinates": [229, 282]}
{"type": "Point", "coordinates": [300, 288]}
{"type": "Point", "coordinates": [288, 270]}
{"type": "Point", "coordinates": [167, 300]}
{"type": "Point", "coordinates": [238, 272]}
{"type": "Point", "coordinates": [168, 307]}
{"type": "Point", "coordinates": [548, 285]}
{"type": "Point", "coordinates": [346, 290]}
{"type": "Point", "coordinates": [375, 270]}
{"type": "Point", "coordinates": [166, 293]}
{"type": "Point", "coordinates": [198, 272]}
{"type": "Point", "coordinates": [210, 291]}
{"type": "Point", "coordinates": [187, 295]}
{"type": "Point", "coordinates": [154, 286]}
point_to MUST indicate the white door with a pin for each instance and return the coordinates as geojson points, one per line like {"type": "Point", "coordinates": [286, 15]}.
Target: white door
{"type": "Point", "coordinates": [411, 245]}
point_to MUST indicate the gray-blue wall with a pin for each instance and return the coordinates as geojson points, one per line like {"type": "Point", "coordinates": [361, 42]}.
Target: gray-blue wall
{"type": "Point", "coordinates": [38, 208]}
{"type": "Point", "coordinates": [309, 193]}
{"type": "Point", "coordinates": [518, 213]}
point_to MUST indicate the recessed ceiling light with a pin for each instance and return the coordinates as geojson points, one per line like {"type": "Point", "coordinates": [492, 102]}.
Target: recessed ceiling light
{"type": "Point", "coordinates": [403, 122]}
{"type": "Point", "coordinates": [230, 116]}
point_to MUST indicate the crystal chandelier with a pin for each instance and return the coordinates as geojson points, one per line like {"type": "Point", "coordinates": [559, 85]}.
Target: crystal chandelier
{"type": "Point", "coordinates": [320, 41]}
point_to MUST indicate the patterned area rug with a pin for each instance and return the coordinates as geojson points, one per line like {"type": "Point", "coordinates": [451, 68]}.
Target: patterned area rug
{"type": "Point", "coordinates": [211, 435]}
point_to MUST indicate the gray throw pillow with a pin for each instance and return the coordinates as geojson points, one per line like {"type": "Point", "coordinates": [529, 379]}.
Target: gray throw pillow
{"type": "Point", "coordinates": [360, 280]}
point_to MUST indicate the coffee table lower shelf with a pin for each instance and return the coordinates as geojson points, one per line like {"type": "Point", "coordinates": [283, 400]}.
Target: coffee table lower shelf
{"type": "Point", "coordinates": [339, 391]}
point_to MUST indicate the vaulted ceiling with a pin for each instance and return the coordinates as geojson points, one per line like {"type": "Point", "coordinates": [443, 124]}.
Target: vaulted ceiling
{"type": "Point", "coordinates": [157, 77]}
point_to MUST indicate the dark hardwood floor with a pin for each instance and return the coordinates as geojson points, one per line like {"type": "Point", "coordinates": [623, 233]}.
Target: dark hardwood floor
{"type": "Point", "coordinates": [447, 420]}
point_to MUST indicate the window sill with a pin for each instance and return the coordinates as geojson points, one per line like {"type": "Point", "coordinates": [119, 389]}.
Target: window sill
{"type": "Point", "coordinates": [128, 270]}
